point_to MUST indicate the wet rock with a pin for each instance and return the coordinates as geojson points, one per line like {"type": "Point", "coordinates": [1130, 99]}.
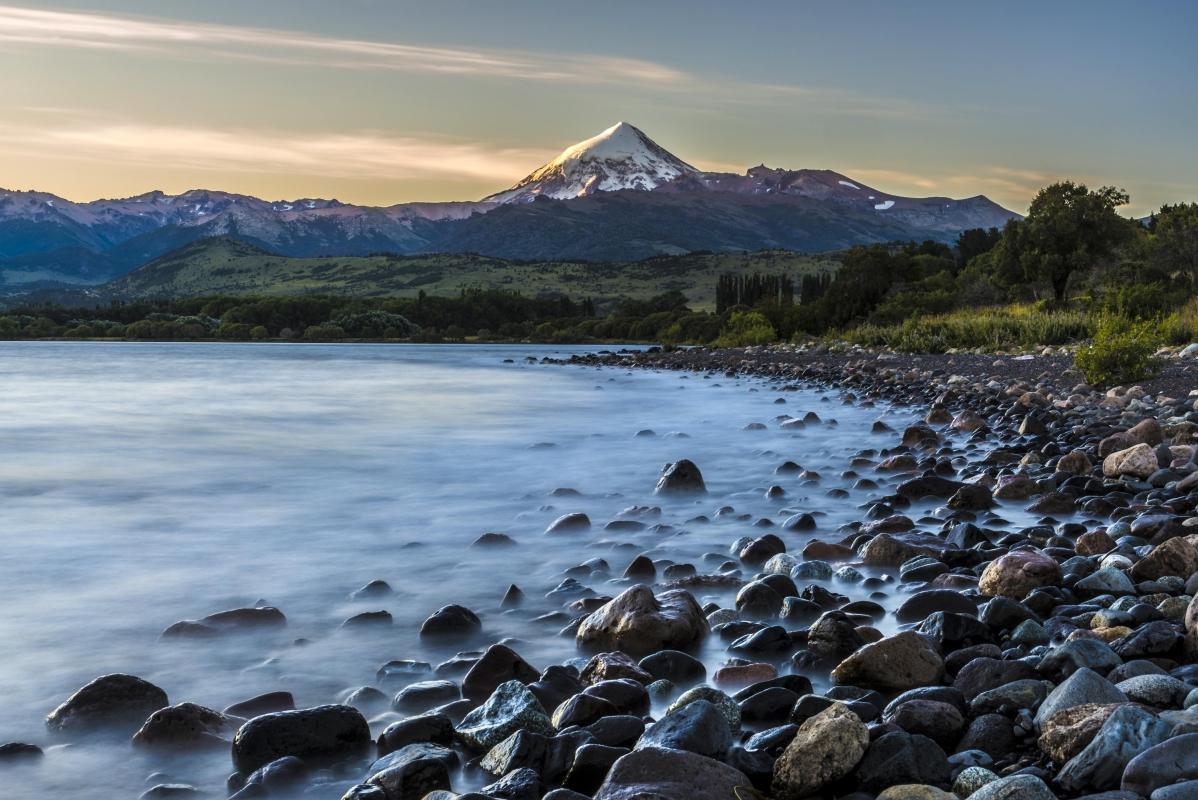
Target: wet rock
{"type": "Point", "coordinates": [498, 664]}
{"type": "Point", "coordinates": [726, 705]}
{"type": "Point", "coordinates": [825, 749]}
{"type": "Point", "coordinates": [233, 620]}
{"type": "Point", "coordinates": [893, 664]}
{"type": "Point", "coordinates": [320, 734]}
{"type": "Point", "coordinates": [170, 791]}
{"type": "Point", "coordinates": [738, 676]}
{"type": "Point", "coordinates": [681, 477]}
{"type": "Point", "coordinates": [1126, 733]}
{"type": "Point", "coordinates": [674, 666]}
{"type": "Point", "coordinates": [413, 771]}
{"type": "Point", "coordinates": [509, 708]}
{"type": "Point", "coordinates": [185, 725]}
{"type": "Point", "coordinates": [922, 604]}
{"type": "Point", "coordinates": [971, 497]}
{"type": "Point", "coordinates": [1169, 762]}
{"type": "Point", "coordinates": [1075, 462]}
{"type": "Point", "coordinates": [423, 695]}
{"type": "Point", "coordinates": [1077, 653]}
{"type": "Point", "coordinates": [833, 636]}
{"type": "Point", "coordinates": [989, 733]}
{"type": "Point", "coordinates": [1016, 574]}
{"type": "Point", "coordinates": [372, 591]}
{"type": "Point", "coordinates": [520, 784]}
{"type": "Point", "coordinates": [117, 702]}
{"type": "Point", "coordinates": [368, 619]}
{"type": "Point", "coordinates": [639, 623]}
{"type": "Point", "coordinates": [582, 709]}
{"type": "Point", "coordinates": [915, 791]}
{"type": "Point", "coordinates": [758, 600]}
{"type": "Point", "coordinates": [697, 727]}
{"type": "Point", "coordinates": [613, 666]}
{"type": "Point", "coordinates": [570, 523]}
{"type": "Point", "coordinates": [451, 621]}
{"type": "Point", "coordinates": [671, 775]}
{"type": "Point", "coordinates": [262, 704]}
{"type": "Point", "coordinates": [1010, 698]}
{"type": "Point", "coordinates": [1083, 687]}
{"type": "Point", "coordinates": [19, 751]}
{"type": "Point", "coordinates": [424, 729]}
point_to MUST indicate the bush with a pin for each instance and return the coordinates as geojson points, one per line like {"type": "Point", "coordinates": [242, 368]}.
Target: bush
{"type": "Point", "coordinates": [259, 332]}
{"type": "Point", "coordinates": [324, 333]}
{"type": "Point", "coordinates": [1181, 327]}
{"type": "Point", "coordinates": [1002, 328]}
{"type": "Point", "coordinates": [746, 328]}
{"type": "Point", "coordinates": [1120, 353]}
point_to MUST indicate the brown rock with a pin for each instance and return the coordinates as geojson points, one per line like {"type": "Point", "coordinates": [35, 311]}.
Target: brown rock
{"type": "Point", "coordinates": [738, 676]}
{"type": "Point", "coordinates": [1094, 543]}
{"type": "Point", "coordinates": [816, 550]}
{"type": "Point", "coordinates": [825, 749]}
{"type": "Point", "coordinates": [638, 623]}
{"type": "Point", "coordinates": [1015, 487]}
{"type": "Point", "coordinates": [1138, 461]}
{"type": "Point", "coordinates": [1177, 556]}
{"type": "Point", "coordinates": [895, 664]}
{"type": "Point", "coordinates": [1075, 463]}
{"type": "Point", "coordinates": [613, 666]}
{"type": "Point", "coordinates": [1067, 732]}
{"type": "Point", "coordinates": [1015, 574]}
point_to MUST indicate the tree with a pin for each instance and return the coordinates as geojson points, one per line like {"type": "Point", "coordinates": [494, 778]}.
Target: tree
{"type": "Point", "coordinates": [1174, 246]}
{"type": "Point", "coordinates": [1068, 229]}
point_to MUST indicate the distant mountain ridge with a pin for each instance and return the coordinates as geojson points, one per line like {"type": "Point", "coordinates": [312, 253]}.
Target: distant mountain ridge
{"type": "Point", "coordinates": [616, 196]}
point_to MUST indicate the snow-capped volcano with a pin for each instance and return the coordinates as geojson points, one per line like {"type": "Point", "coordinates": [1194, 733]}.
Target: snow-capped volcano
{"type": "Point", "coordinates": [622, 157]}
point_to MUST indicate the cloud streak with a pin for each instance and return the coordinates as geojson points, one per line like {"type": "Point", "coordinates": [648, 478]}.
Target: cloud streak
{"type": "Point", "coordinates": [20, 26]}
{"type": "Point", "coordinates": [356, 155]}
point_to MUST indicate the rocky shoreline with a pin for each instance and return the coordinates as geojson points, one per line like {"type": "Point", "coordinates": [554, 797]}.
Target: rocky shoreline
{"type": "Point", "coordinates": [1057, 659]}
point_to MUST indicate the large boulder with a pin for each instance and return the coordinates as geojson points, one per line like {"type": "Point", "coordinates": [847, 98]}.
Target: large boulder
{"type": "Point", "coordinates": [321, 734]}
{"type": "Point", "coordinates": [1015, 574]}
{"type": "Point", "coordinates": [637, 622]}
{"type": "Point", "coordinates": [1139, 462]}
{"type": "Point", "coordinates": [902, 758]}
{"type": "Point", "coordinates": [511, 707]}
{"type": "Point", "coordinates": [115, 702]}
{"type": "Point", "coordinates": [662, 774]}
{"type": "Point", "coordinates": [825, 749]}
{"type": "Point", "coordinates": [681, 477]}
{"type": "Point", "coordinates": [1014, 787]}
{"type": "Point", "coordinates": [894, 664]}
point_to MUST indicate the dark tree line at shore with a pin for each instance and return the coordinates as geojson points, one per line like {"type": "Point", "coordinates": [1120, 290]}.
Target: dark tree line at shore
{"type": "Point", "coordinates": [1048, 278]}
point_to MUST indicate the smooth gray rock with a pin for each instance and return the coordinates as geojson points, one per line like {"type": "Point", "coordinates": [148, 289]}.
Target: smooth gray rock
{"type": "Point", "coordinates": [323, 733]}
{"type": "Point", "coordinates": [1167, 763]}
{"type": "Point", "coordinates": [1016, 787]}
{"type": "Point", "coordinates": [1129, 731]}
{"type": "Point", "coordinates": [1083, 686]}
{"type": "Point", "coordinates": [413, 771]}
{"type": "Point", "coordinates": [697, 727]}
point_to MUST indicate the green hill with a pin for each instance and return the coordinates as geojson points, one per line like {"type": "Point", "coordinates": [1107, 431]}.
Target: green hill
{"type": "Point", "coordinates": [226, 266]}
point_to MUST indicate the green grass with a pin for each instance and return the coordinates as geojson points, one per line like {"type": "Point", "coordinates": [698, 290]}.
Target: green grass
{"type": "Point", "coordinates": [225, 266]}
{"type": "Point", "coordinates": [996, 328]}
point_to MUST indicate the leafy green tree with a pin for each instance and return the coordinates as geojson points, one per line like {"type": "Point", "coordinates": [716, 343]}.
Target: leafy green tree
{"type": "Point", "coordinates": [745, 328]}
{"type": "Point", "coordinates": [1068, 230]}
{"type": "Point", "coordinates": [1174, 244]}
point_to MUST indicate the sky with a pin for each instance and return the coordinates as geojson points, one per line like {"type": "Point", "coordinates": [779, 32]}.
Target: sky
{"type": "Point", "coordinates": [388, 101]}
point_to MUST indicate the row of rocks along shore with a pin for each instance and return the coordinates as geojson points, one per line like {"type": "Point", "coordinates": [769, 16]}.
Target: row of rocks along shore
{"type": "Point", "coordinates": [1055, 660]}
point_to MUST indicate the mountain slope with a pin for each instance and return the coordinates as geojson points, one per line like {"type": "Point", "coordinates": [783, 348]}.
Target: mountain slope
{"type": "Point", "coordinates": [227, 266]}
{"type": "Point", "coordinates": [618, 195]}
{"type": "Point", "coordinates": [621, 157]}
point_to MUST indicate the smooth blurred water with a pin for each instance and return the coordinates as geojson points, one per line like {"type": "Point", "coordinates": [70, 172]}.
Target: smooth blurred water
{"type": "Point", "coordinates": [147, 483]}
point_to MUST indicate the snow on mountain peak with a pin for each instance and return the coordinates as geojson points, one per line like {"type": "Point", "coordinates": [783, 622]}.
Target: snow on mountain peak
{"type": "Point", "coordinates": [621, 157]}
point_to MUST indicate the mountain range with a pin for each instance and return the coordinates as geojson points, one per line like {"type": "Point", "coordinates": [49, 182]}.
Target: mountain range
{"type": "Point", "coordinates": [616, 196]}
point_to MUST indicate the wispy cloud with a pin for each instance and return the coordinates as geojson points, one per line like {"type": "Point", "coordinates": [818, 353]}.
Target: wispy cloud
{"type": "Point", "coordinates": [339, 155]}
{"type": "Point", "coordinates": [21, 26]}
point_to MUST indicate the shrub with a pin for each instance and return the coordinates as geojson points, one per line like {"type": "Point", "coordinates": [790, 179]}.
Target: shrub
{"type": "Point", "coordinates": [1001, 328]}
{"type": "Point", "coordinates": [324, 333]}
{"type": "Point", "coordinates": [1181, 327]}
{"type": "Point", "coordinates": [746, 328]}
{"type": "Point", "coordinates": [259, 332]}
{"type": "Point", "coordinates": [1120, 353]}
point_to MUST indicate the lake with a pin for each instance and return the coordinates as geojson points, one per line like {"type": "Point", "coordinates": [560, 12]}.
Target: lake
{"type": "Point", "coordinates": [145, 484]}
